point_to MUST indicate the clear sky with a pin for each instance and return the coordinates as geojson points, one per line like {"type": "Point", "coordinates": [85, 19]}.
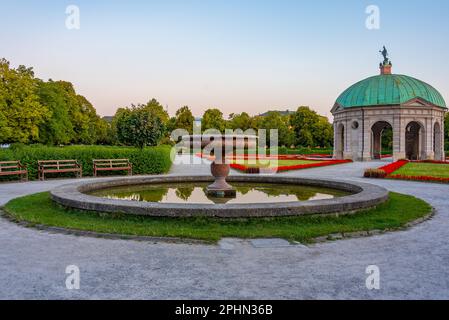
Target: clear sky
{"type": "Point", "coordinates": [246, 55]}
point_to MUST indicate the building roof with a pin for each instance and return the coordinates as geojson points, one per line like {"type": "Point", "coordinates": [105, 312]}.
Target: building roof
{"type": "Point", "coordinates": [108, 118]}
{"type": "Point", "coordinates": [388, 89]}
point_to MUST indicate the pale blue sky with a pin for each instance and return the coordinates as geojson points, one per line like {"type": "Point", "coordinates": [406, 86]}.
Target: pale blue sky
{"type": "Point", "coordinates": [247, 55]}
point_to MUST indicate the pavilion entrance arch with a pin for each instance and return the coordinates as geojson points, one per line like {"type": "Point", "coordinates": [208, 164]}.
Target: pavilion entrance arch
{"type": "Point", "coordinates": [415, 142]}
{"type": "Point", "coordinates": [381, 139]}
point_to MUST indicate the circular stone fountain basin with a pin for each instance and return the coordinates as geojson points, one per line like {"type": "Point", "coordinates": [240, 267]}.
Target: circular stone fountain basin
{"type": "Point", "coordinates": [327, 197]}
{"type": "Point", "coordinates": [196, 193]}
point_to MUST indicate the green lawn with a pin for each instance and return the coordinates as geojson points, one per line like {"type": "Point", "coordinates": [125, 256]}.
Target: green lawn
{"type": "Point", "coordinates": [39, 209]}
{"type": "Point", "coordinates": [265, 164]}
{"type": "Point", "coordinates": [424, 169]}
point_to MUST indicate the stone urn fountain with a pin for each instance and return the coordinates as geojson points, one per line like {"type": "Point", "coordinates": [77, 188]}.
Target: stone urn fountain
{"type": "Point", "coordinates": [220, 146]}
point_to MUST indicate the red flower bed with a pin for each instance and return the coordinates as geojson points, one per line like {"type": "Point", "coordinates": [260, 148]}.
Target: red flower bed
{"type": "Point", "coordinates": [268, 157]}
{"type": "Point", "coordinates": [418, 178]}
{"type": "Point", "coordinates": [238, 167]}
{"type": "Point", "coordinates": [392, 167]}
{"type": "Point", "coordinates": [313, 165]}
{"type": "Point", "coordinates": [288, 168]}
{"type": "Point", "coordinates": [255, 170]}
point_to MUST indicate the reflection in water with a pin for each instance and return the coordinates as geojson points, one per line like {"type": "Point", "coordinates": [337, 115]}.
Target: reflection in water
{"type": "Point", "coordinates": [195, 193]}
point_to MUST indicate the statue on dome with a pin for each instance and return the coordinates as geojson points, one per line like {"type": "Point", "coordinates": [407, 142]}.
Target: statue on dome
{"type": "Point", "coordinates": [384, 53]}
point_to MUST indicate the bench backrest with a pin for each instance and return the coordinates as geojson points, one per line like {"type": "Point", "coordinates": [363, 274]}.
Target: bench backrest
{"type": "Point", "coordinates": [58, 164]}
{"type": "Point", "coordinates": [7, 166]}
{"type": "Point", "coordinates": [111, 163]}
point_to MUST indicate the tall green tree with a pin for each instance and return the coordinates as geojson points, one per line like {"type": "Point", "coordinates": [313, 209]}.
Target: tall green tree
{"type": "Point", "coordinates": [58, 128]}
{"type": "Point", "coordinates": [311, 129]}
{"type": "Point", "coordinates": [241, 121]}
{"type": "Point", "coordinates": [103, 132]}
{"type": "Point", "coordinates": [65, 105]}
{"type": "Point", "coordinates": [21, 112]}
{"type": "Point", "coordinates": [32, 110]}
{"type": "Point", "coordinates": [139, 126]}
{"type": "Point", "coordinates": [87, 121]}
{"type": "Point", "coordinates": [323, 133]}
{"type": "Point", "coordinates": [184, 119]}
{"type": "Point", "coordinates": [213, 119]}
{"type": "Point", "coordinates": [274, 120]}
{"type": "Point", "coordinates": [156, 108]}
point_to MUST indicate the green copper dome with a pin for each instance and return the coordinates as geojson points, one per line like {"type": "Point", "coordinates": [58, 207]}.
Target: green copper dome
{"type": "Point", "coordinates": [388, 89]}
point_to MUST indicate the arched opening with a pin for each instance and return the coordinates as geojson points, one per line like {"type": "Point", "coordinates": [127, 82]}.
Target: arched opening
{"type": "Point", "coordinates": [340, 141]}
{"type": "Point", "coordinates": [414, 141]}
{"type": "Point", "coordinates": [382, 139]}
{"type": "Point", "coordinates": [437, 142]}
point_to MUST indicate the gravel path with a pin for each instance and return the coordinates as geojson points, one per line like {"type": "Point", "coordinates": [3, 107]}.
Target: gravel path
{"type": "Point", "coordinates": [413, 264]}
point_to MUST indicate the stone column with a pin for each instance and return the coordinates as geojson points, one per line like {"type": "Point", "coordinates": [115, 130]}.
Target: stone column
{"type": "Point", "coordinates": [398, 138]}
{"type": "Point", "coordinates": [365, 133]}
{"type": "Point", "coordinates": [336, 141]}
{"type": "Point", "coordinates": [443, 153]}
{"type": "Point", "coordinates": [377, 144]}
{"type": "Point", "coordinates": [428, 153]}
{"type": "Point", "coordinates": [347, 152]}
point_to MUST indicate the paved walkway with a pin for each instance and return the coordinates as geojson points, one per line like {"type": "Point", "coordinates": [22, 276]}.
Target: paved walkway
{"type": "Point", "coordinates": [413, 264]}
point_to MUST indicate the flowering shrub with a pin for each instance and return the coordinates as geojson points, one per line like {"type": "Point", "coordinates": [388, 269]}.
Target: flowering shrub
{"type": "Point", "coordinates": [375, 173]}
{"type": "Point", "coordinates": [251, 170]}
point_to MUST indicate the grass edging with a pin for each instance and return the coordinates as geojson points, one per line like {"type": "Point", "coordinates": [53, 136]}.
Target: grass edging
{"type": "Point", "coordinates": [92, 234]}
{"type": "Point", "coordinates": [364, 234]}
{"type": "Point", "coordinates": [38, 211]}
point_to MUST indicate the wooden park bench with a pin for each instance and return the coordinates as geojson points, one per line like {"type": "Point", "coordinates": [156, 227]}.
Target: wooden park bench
{"type": "Point", "coordinates": [11, 168]}
{"type": "Point", "coordinates": [112, 165]}
{"type": "Point", "coordinates": [58, 166]}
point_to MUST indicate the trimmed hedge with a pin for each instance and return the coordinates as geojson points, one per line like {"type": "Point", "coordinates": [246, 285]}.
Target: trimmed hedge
{"type": "Point", "coordinates": [305, 151]}
{"type": "Point", "coordinates": [150, 160]}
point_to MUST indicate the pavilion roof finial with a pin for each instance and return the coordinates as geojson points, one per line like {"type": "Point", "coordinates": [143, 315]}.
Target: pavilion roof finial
{"type": "Point", "coordinates": [385, 66]}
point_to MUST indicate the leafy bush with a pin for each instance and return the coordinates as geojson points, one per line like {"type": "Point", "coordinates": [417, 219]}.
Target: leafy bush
{"type": "Point", "coordinates": [306, 151]}
{"type": "Point", "coordinates": [141, 125]}
{"type": "Point", "coordinates": [151, 160]}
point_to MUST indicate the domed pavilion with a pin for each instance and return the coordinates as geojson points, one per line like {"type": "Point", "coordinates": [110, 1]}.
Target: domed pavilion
{"type": "Point", "coordinates": [412, 109]}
